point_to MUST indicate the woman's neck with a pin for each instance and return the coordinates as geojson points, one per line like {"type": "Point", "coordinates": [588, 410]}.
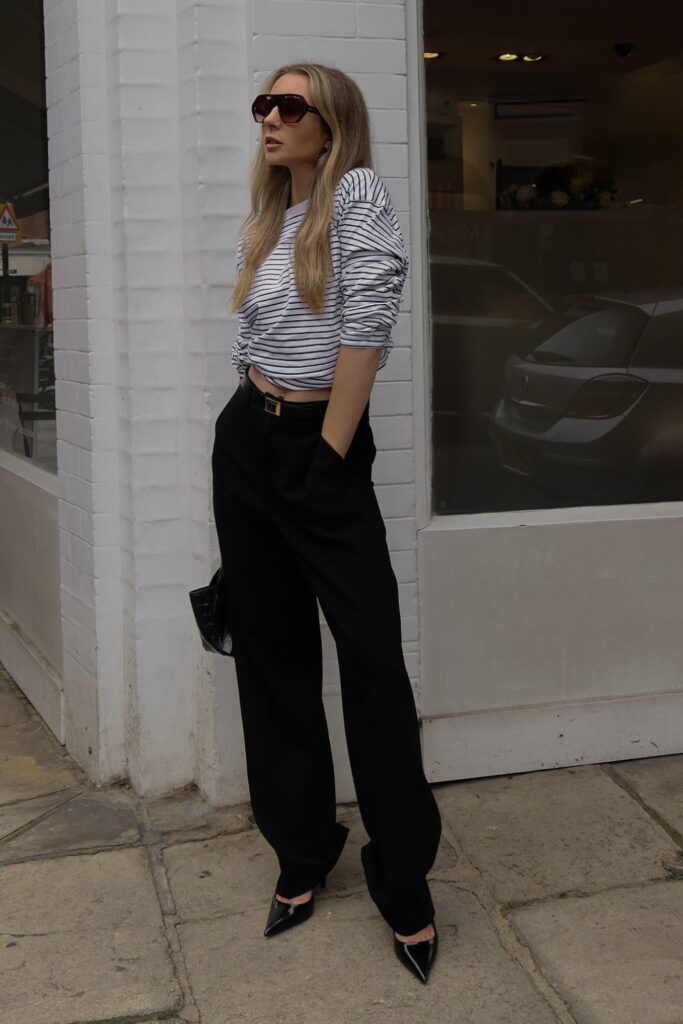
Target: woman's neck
{"type": "Point", "coordinates": [301, 184]}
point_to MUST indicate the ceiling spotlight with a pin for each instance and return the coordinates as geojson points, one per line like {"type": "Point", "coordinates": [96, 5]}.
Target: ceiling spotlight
{"type": "Point", "coordinates": [507, 56]}
{"type": "Point", "coordinates": [531, 58]}
{"type": "Point", "coordinates": [431, 54]}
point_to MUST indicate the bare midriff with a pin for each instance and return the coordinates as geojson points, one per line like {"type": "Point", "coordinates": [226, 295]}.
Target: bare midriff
{"type": "Point", "coordinates": [308, 395]}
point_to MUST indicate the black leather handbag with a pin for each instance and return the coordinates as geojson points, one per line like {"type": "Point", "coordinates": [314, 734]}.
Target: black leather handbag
{"type": "Point", "coordinates": [210, 608]}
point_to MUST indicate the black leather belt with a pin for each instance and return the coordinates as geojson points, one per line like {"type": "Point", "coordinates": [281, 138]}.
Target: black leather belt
{"type": "Point", "coordinates": [280, 406]}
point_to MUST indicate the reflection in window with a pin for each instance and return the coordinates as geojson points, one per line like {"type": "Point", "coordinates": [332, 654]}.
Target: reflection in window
{"type": "Point", "coordinates": [483, 291]}
{"type": "Point", "coordinates": [662, 343]}
{"type": "Point", "coordinates": [555, 259]}
{"type": "Point", "coordinates": [597, 337]}
{"type": "Point", "coordinates": [27, 380]}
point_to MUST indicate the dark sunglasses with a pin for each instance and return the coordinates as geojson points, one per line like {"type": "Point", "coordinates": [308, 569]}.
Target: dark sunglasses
{"type": "Point", "coordinates": [291, 106]}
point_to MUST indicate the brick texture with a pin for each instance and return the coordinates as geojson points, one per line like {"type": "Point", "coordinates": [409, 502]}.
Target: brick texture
{"type": "Point", "coordinates": [150, 140]}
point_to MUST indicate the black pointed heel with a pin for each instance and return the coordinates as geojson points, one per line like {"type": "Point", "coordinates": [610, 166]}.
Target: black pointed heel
{"type": "Point", "coordinates": [418, 957]}
{"type": "Point", "coordinates": [282, 916]}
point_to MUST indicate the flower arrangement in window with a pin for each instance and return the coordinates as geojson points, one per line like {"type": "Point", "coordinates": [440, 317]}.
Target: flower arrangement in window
{"type": "Point", "coordinates": [566, 187]}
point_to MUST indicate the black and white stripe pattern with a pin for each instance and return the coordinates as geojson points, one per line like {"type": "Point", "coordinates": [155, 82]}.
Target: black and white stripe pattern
{"type": "Point", "coordinates": [279, 334]}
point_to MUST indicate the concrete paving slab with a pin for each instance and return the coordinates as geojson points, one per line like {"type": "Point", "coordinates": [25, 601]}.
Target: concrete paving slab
{"type": "Point", "coordinates": [187, 815]}
{"type": "Point", "coordinates": [7, 684]}
{"type": "Point", "coordinates": [220, 876]}
{"type": "Point", "coordinates": [614, 957]}
{"type": "Point", "coordinates": [82, 939]}
{"type": "Point", "coordinates": [231, 874]}
{"type": "Point", "coordinates": [31, 764]}
{"type": "Point", "coordinates": [12, 709]}
{"type": "Point", "coordinates": [339, 966]}
{"type": "Point", "coordinates": [539, 834]}
{"type": "Point", "coordinates": [90, 975]}
{"type": "Point", "coordinates": [659, 782]}
{"type": "Point", "coordinates": [14, 705]}
{"type": "Point", "coordinates": [20, 815]}
{"type": "Point", "coordinates": [89, 821]}
{"type": "Point", "coordinates": [99, 890]}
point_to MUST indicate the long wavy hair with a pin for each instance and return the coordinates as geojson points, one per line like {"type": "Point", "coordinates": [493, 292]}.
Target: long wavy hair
{"type": "Point", "coordinates": [346, 120]}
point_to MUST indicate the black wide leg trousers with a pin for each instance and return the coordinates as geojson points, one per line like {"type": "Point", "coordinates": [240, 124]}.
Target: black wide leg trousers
{"type": "Point", "coordinates": [297, 521]}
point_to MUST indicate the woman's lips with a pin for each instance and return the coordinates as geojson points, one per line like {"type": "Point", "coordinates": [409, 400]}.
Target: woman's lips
{"type": "Point", "coordinates": [271, 144]}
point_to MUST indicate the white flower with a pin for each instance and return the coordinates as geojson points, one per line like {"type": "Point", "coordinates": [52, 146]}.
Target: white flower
{"type": "Point", "coordinates": [525, 193]}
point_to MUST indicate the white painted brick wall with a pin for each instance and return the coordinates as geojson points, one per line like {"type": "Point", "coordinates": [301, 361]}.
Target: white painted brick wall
{"type": "Point", "coordinates": [276, 18]}
{"type": "Point", "coordinates": [150, 142]}
{"type": "Point", "coordinates": [382, 21]}
{"type": "Point", "coordinates": [79, 196]}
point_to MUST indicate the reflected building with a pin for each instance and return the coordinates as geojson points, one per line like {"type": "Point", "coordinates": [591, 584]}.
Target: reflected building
{"type": "Point", "coordinates": [563, 171]}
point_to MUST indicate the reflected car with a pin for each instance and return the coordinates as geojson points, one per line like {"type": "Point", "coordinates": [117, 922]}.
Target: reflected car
{"type": "Point", "coordinates": [596, 409]}
{"type": "Point", "coordinates": [481, 314]}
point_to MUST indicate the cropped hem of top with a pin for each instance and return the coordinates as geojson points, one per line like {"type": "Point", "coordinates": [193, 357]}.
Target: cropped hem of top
{"type": "Point", "coordinates": [292, 346]}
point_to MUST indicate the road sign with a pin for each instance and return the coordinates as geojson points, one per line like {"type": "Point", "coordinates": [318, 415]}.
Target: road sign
{"type": "Point", "coordinates": [10, 228]}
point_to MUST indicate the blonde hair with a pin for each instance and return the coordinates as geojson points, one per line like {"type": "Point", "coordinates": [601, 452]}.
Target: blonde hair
{"type": "Point", "coordinates": [345, 117]}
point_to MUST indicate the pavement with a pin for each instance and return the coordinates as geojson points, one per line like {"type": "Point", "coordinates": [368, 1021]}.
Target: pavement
{"type": "Point", "coordinates": [558, 894]}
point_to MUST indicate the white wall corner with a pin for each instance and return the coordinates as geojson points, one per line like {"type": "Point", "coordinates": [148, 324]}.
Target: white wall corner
{"type": "Point", "coordinates": [84, 367]}
{"type": "Point", "coordinates": [216, 138]}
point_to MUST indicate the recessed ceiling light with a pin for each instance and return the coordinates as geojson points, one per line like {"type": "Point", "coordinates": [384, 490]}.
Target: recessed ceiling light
{"type": "Point", "coordinates": [531, 58]}
{"type": "Point", "coordinates": [507, 56]}
{"type": "Point", "coordinates": [431, 54]}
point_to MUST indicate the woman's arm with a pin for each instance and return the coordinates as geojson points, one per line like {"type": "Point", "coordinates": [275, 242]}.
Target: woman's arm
{"type": "Point", "coordinates": [374, 266]}
{"type": "Point", "coordinates": [354, 376]}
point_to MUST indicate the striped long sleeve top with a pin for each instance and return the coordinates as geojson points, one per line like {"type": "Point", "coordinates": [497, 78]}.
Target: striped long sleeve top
{"type": "Point", "coordinates": [279, 334]}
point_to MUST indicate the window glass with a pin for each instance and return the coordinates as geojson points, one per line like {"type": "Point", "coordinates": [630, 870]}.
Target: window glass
{"type": "Point", "coordinates": [27, 380]}
{"type": "Point", "coordinates": [662, 343]}
{"type": "Point", "coordinates": [591, 337]}
{"type": "Point", "coordinates": [555, 256]}
{"type": "Point", "coordinates": [461, 290]}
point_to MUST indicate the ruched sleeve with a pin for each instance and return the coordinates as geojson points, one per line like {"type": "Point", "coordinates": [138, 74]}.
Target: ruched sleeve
{"type": "Point", "coordinates": [374, 262]}
{"type": "Point", "coordinates": [238, 355]}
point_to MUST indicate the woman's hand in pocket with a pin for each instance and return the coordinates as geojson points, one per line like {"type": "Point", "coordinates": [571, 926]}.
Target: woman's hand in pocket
{"type": "Point", "coordinates": [332, 446]}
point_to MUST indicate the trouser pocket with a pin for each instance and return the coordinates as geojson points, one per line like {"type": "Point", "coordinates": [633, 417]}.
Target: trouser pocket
{"type": "Point", "coordinates": [359, 457]}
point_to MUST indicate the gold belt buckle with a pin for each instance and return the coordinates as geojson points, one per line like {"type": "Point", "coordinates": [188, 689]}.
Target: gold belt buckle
{"type": "Point", "coordinates": [273, 404]}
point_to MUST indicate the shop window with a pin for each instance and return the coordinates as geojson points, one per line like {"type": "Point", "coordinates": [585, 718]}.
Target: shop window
{"type": "Point", "coordinates": [555, 256]}
{"type": "Point", "coordinates": [662, 343]}
{"type": "Point", "coordinates": [27, 381]}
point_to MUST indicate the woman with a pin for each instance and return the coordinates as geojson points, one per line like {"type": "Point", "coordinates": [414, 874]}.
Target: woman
{"type": "Point", "coordinates": [321, 266]}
